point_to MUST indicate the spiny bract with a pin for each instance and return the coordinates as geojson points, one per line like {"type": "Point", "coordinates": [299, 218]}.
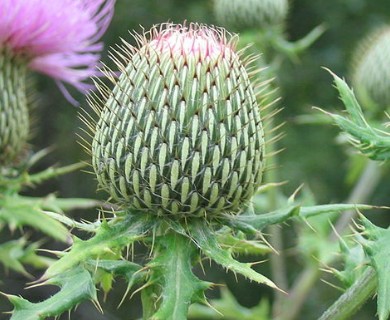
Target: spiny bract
{"type": "Point", "coordinates": [14, 116]}
{"type": "Point", "coordinates": [180, 133]}
{"type": "Point", "coordinates": [255, 14]}
{"type": "Point", "coordinates": [371, 67]}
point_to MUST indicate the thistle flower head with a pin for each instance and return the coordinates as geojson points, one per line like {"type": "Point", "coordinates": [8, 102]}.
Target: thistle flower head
{"type": "Point", "coordinates": [371, 68]}
{"type": "Point", "coordinates": [251, 14]}
{"type": "Point", "coordinates": [58, 37]}
{"type": "Point", "coordinates": [180, 133]}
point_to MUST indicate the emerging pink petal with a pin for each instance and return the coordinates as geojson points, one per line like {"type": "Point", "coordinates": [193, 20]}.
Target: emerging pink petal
{"type": "Point", "coordinates": [58, 37]}
{"type": "Point", "coordinates": [192, 40]}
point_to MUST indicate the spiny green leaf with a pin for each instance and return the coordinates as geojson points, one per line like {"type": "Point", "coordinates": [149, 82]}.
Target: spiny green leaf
{"type": "Point", "coordinates": [378, 250]}
{"type": "Point", "coordinates": [255, 223]}
{"type": "Point", "coordinates": [241, 245]}
{"type": "Point", "coordinates": [373, 142]}
{"type": "Point", "coordinates": [315, 246]}
{"type": "Point", "coordinates": [348, 98]}
{"type": "Point", "coordinates": [76, 285]}
{"type": "Point", "coordinates": [132, 272]}
{"type": "Point", "coordinates": [228, 308]}
{"type": "Point", "coordinates": [15, 253]}
{"type": "Point", "coordinates": [16, 180]}
{"type": "Point", "coordinates": [52, 203]}
{"type": "Point", "coordinates": [354, 263]}
{"type": "Point", "coordinates": [51, 172]}
{"type": "Point", "coordinates": [11, 253]}
{"type": "Point", "coordinates": [311, 211]}
{"type": "Point", "coordinates": [109, 240]}
{"type": "Point", "coordinates": [85, 226]}
{"type": "Point", "coordinates": [117, 267]}
{"type": "Point", "coordinates": [207, 242]}
{"type": "Point", "coordinates": [313, 240]}
{"type": "Point", "coordinates": [171, 270]}
{"type": "Point", "coordinates": [17, 212]}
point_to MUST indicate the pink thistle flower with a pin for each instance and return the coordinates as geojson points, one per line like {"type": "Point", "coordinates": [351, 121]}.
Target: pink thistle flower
{"type": "Point", "coordinates": [192, 40]}
{"type": "Point", "coordinates": [59, 38]}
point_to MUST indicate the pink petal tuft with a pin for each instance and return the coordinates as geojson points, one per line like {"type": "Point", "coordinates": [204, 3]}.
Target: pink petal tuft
{"type": "Point", "coordinates": [58, 37]}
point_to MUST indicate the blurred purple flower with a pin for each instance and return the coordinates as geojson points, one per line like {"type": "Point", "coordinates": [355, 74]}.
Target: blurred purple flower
{"type": "Point", "coordinates": [59, 38]}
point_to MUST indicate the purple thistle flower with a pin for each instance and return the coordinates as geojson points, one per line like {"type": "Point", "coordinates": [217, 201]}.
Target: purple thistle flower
{"type": "Point", "coordinates": [59, 38]}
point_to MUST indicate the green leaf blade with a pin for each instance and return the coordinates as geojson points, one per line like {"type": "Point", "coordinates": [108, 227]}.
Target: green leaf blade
{"type": "Point", "coordinates": [76, 286]}
{"type": "Point", "coordinates": [378, 250]}
{"type": "Point", "coordinates": [172, 270]}
{"type": "Point", "coordinates": [207, 242]}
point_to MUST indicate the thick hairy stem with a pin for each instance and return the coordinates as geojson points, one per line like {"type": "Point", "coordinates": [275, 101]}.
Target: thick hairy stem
{"type": "Point", "coordinates": [306, 280]}
{"type": "Point", "coordinates": [14, 118]}
{"type": "Point", "coordinates": [353, 299]}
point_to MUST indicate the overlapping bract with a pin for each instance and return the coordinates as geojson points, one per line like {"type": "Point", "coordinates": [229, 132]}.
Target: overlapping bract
{"type": "Point", "coordinates": [254, 14]}
{"type": "Point", "coordinates": [181, 132]}
{"type": "Point", "coordinates": [14, 118]}
{"type": "Point", "coordinates": [371, 68]}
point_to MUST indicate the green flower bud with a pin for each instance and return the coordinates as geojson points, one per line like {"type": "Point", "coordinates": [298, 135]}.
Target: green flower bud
{"type": "Point", "coordinates": [251, 14]}
{"type": "Point", "coordinates": [14, 118]}
{"type": "Point", "coordinates": [180, 133]}
{"type": "Point", "coordinates": [371, 69]}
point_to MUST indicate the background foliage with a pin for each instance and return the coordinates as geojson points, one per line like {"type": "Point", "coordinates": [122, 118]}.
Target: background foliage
{"type": "Point", "coordinates": [312, 153]}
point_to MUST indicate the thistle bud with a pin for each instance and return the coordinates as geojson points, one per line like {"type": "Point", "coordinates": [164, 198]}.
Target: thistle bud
{"type": "Point", "coordinates": [180, 133]}
{"type": "Point", "coordinates": [371, 68]}
{"type": "Point", "coordinates": [14, 118]}
{"type": "Point", "coordinates": [251, 14]}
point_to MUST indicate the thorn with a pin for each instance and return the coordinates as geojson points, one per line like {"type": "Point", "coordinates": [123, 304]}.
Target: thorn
{"type": "Point", "coordinates": [37, 283]}
{"type": "Point", "coordinates": [255, 263]}
{"type": "Point", "coordinates": [291, 199]}
{"type": "Point", "coordinates": [333, 285]}
{"type": "Point", "coordinates": [261, 236]}
{"type": "Point", "coordinates": [53, 252]}
{"type": "Point", "coordinates": [140, 289]}
{"type": "Point", "coordinates": [97, 305]}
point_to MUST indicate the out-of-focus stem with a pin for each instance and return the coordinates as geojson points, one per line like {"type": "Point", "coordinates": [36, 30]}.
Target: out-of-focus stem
{"type": "Point", "coordinates": [361, 192]}
{"type": "Point", "coordinates": [277, 260]}
{"type": "Point", "coordinates": [278, 264]}
{"type": "Point", "coordinates": [298, 294]}
{"type": "Point", "coordinates": [278, 267]}
{"type": "Point", "coordinates": [353, 299]}
{"type": "Point", "coordinates": [308, 277]}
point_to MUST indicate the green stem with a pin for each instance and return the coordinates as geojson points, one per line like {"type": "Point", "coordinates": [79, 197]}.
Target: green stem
{"type": "Point", "coordinates": [354, 298]}
{"type": "Point", "coordinates": [293, 49]}
{"type": "Point", "coordinates": [361, 192]}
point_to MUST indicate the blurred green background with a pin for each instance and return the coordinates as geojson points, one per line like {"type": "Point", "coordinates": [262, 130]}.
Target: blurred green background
{"type": "Point", "coordinates": [311, 153]}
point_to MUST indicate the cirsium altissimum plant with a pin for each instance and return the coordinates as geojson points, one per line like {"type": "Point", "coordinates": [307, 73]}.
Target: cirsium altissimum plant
{"type": "Point", "coordinates": [182, 87]}
{"type": "Point", "coordinates": [178, 143]}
